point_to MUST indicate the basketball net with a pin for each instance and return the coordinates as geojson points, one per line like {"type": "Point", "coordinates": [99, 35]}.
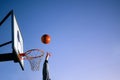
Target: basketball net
{"type": "Point", "coordinates": [34, 56]}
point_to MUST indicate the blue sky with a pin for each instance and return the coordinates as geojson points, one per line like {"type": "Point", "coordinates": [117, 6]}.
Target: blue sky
{"type": "Point", "coordinates": [85, 38]}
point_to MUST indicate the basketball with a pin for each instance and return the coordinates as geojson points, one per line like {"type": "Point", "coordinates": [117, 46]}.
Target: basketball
{"type": "Point", "coordinates": [46, 39]}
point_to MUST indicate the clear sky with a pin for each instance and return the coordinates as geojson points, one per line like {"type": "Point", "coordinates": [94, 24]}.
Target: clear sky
{"type": "Point", "coordinates": [85, 38]}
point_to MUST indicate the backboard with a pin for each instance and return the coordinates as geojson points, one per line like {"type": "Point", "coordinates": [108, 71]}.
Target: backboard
{"type": "Point", "coordinates": [17, 44]}
{"type": "Point", "coordinates": [16, 40]}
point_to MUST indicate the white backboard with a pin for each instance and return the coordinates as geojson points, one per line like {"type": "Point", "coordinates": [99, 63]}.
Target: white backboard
{"type": "Point", "coordinates": [17, 41]}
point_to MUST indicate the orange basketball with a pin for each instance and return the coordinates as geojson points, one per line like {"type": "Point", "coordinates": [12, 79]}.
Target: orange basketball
{"type": "Point", "coordinates": [45, 39]}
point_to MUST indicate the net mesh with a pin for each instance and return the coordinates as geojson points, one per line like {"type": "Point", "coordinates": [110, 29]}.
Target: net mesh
{"type": "Point", "coordinates": [34, 57]}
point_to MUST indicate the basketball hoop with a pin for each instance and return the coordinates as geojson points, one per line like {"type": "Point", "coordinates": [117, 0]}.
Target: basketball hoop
{"type": "Point", "coordinates": [34, 56]}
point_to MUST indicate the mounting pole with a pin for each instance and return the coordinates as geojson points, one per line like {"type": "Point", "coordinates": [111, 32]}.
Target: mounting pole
{"type": "Point", "coordinates": [6, 57]}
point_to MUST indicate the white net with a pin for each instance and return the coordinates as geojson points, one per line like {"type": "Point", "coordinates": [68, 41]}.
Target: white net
{"type": "Point", "coordinates": [34, 56]}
